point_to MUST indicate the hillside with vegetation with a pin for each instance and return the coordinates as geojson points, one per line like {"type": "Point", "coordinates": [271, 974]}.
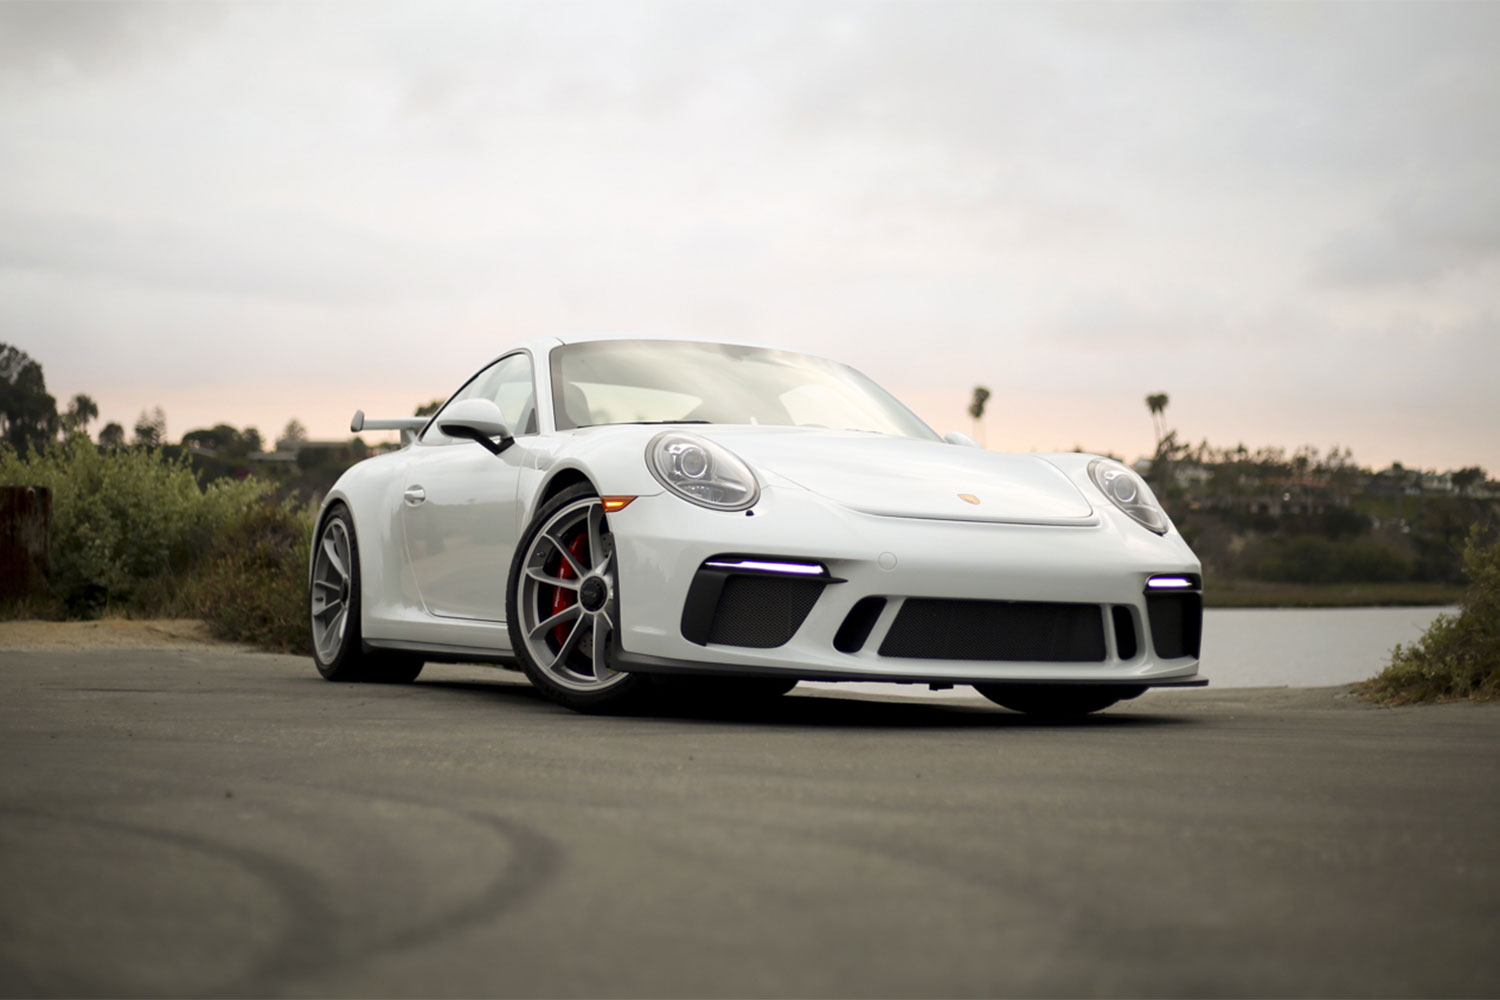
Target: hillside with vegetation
{"type": "Point", "coordinates": [217, 524]}
{"type": "Point", "coordinates": [1289, 527]}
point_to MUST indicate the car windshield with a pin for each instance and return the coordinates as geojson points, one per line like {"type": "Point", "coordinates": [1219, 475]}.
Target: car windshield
{"type": "Point", "coordinates": [663, 381]}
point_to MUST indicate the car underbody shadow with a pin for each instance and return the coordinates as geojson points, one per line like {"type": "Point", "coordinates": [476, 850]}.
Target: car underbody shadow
{"type": "Point", "coordinates": [819, 710]}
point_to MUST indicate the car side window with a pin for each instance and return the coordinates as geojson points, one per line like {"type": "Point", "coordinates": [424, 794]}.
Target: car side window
{"type": "Point", "coordinates": [507, 383]}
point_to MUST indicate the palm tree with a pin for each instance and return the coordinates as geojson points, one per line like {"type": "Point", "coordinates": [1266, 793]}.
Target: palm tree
{"type": "Point", "coordinates": [81, 411]}
{"type": "Point", "coordinates": [976, 410]}
{"type": "Point", "coordinates": [1157, 404]}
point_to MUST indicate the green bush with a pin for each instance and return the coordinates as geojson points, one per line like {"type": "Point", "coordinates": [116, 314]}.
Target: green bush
{"type": "Point", "coordinates": [1459, 655]}
{"type": "Point", "coordinates": [125, 522]}
{"type": "Point", "coordinates": [1314, 559]}
{"type": "Point", "coordinates": [254, 586]}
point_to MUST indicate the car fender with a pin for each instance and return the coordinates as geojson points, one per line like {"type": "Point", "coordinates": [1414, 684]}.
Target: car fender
{"type": "Point", "coordinates": [1143, 542]}
{"type": "Point", "coordinates": [371, 491]}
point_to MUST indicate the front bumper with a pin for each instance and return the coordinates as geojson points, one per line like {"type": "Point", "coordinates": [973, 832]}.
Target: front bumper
{"type": "Point", "coordinates": [662, 543]}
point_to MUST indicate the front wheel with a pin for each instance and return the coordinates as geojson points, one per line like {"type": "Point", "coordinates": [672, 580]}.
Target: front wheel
{"type": "Point", "coordinates": [1056, 701]}
{"type": "Point", "coordinates": [563, 608]}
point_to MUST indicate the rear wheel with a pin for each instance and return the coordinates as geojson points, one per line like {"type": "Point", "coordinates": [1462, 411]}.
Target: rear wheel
{"type": "Point", "coordinates": [1056, 701]}
{"type": "Point", "coordinates": [333, 611]}
{"type": "Point", "coordinates": [564, 606]}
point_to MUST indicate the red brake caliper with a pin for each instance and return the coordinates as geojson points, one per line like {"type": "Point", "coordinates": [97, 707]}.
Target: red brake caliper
{"type": "Point", "coordinates": [561, 596]}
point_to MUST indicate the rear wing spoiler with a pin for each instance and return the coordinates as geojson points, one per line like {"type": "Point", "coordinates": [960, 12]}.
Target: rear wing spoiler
{"type": "Point", "coordinates": [408, 426]}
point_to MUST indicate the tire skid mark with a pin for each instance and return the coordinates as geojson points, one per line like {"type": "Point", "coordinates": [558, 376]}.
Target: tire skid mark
{"type": "Point", "coordinates": [301, 946]}
{"type": "Point", "coordinates": [534, 861]}
{"type": "Point", "coordinates": [289, 884]}
{"type": "Point", "coordinates": [1012, 880]}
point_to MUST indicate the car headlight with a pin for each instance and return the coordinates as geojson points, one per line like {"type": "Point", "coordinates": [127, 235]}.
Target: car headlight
{"type": "Point", "coordinates": [1129, 492]}
{"type": "Point", "coordinates": [699, 470]}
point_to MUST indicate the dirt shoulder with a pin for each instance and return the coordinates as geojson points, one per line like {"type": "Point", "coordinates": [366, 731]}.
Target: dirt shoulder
{"type": "Point", "coordinates": [108, 633]}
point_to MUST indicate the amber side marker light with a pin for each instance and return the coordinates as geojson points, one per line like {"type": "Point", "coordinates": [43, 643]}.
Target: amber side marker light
{"type": "Point", "coordinates": [612, 504]}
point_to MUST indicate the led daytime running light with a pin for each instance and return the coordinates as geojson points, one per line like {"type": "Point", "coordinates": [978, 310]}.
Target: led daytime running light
{"type": "Point", "coordinates": [796, 569]}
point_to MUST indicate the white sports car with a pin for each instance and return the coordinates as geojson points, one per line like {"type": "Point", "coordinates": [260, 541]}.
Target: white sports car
{"type": "Point", "coordinates": [615, 515]}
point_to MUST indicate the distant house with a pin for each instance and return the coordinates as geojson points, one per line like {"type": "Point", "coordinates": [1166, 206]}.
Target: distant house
{"type": "Point", "coordinates": [313, 454]}
{"type": "Point", "coordinates": [1438, 482]}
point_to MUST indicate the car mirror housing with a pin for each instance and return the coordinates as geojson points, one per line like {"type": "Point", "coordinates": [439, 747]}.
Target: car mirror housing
{"type": "Point", "coordinates": [479, 420]}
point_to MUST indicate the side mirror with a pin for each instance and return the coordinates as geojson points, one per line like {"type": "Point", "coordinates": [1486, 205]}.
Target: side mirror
{"type": "Point", "coordinates": [961, 439]}
{"type": "Point", "coordinates": [479, 420]}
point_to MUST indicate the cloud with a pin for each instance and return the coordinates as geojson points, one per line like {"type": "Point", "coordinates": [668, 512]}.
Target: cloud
{"type": "Point", "coordinates": [54, 43]}
{"type": "Point", "coordinates": [1235, 203]}
{"type": "Point", "coordinates": [295, 258]}
{"type": "Point", "coordinates": [1418, 239]}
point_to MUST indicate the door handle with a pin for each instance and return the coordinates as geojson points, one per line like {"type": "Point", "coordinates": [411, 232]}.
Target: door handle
{"type": "Point", "coordinates": [414, 495]}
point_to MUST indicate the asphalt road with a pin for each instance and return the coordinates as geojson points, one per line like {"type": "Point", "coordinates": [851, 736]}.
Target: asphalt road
{"type": "Point", "coordinates": [215, 822]}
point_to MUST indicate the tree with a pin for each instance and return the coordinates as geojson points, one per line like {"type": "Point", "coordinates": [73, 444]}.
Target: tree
{"type": "Point", "coordinates": [292, 435]}
{"type": "Point", "coordinates": [81, 411]}
{"type": "Point", "coordinates": [28, 415]}
{"type": "Point", "coordinates": [224, 440]}
{"type": "Point", "coordinates": [1157, 404]}
{"type": "Point", "coordinates": [1466, 479]}
{"type": "Point", "coordinates": [219, 438]}
{"type": "Point", "coordinates": [1168, 449]}
{"type": "Point", "coordinates": [151, 428]}
{"type": "Point", "coordinates": [428, 409]}
{"type": "Point", "coordinates": [976, 410]}
{"type": "Point", "coordinates": [113, 436]}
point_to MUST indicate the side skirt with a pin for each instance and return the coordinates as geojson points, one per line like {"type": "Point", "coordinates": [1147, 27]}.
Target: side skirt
{"type": "Point", "coordinates": [445, 653]}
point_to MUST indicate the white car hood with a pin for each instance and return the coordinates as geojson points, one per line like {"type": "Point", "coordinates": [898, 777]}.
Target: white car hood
{"type": "Point", "coordinates": [904, 477]}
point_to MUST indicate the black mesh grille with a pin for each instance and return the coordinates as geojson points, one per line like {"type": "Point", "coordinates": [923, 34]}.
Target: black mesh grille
{"type": "Point", "coordinates": [761, 611]}
{"type": "Point", "coordinates": [996, 630]}
{"type": "Point", "coordinates": [1176, 624]}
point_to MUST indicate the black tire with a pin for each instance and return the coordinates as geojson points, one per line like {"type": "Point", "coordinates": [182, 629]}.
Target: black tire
{"type": "Point", "coordinates": [339, 651]}
{"type": "Point", "coordinates": [1057, 701]}
{"type": "Point", "coordinates": [569, 661]}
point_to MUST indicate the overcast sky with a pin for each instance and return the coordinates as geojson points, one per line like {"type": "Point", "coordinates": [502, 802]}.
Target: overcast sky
{"type": "Point", "coordinates": [1284, 215]}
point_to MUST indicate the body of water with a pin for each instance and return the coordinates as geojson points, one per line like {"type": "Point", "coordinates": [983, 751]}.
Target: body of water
{"type": "Point", "coordinates": [1305, 647]}
{"type": "Point", "coordinates": [1268, 647]}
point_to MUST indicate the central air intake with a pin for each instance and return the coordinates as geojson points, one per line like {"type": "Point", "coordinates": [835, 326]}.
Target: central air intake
{"type": "Point", "coordinates": [1021, 631]}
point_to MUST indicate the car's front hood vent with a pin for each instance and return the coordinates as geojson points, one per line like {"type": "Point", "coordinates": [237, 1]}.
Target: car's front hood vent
{"type": "Point", "coordinates": [902, 477]}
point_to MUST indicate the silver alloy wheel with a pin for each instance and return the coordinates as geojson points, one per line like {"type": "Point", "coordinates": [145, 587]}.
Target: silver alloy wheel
{"type": "Point", "coordinates": [567, 603]}
{"type": "Point", "coordinates": [332, 584]}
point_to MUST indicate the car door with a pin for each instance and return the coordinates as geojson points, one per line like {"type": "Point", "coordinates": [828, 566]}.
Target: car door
{"type": "Point", "coordinates": [460, 510]}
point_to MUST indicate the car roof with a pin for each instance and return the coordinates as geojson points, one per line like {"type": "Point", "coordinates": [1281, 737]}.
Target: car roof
{"type": "Point", "coordinates": [544, 344]}
{"type": "Point", "coordinates": [583, 338]}
{"type": "Point", "coordinates": [541, 347]}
